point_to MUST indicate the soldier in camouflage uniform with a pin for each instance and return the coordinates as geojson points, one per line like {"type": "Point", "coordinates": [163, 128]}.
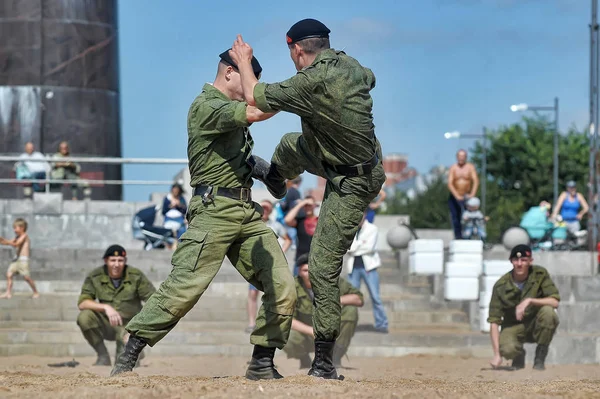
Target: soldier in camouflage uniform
{"type": "Point", "coordinates": [223, 221]}
{"type": "Point", "coordinates": [301, 341]}
{"type": "Point", "coordinates": [523, 303]}
{"type": "Point", "coordinates": [111, 295]}
{"type": "Point", "coordinates": [331, 94]}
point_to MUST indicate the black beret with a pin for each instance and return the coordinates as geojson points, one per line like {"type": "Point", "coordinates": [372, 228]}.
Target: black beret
{"type": "Point", "coordinates": [302, 260]}
{"type": "Point", "coordinates": [255, 64]}
{"type": "Point", "coordinates": [305, 29]}
{"type": "Point", "coordinates": [114, 250]}
{"type": "Point", "coordinates": [520, 251]}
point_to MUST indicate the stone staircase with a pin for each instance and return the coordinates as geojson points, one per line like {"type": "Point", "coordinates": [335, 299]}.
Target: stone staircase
{"type": "Point", "coordinates": [216, 325]}
{"type": "Point", "coordinates": [420, 322]}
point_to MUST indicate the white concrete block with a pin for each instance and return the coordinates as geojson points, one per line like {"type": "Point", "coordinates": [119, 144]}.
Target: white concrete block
{"type": "Point", "coordinates": [466, 258]}
{"type": "Point", "coordinates": [426, 263]}
{"type": "Point", "coordinates": [462, 269]}
{"type": "Point", "coordinates": [461, 288]}
{"type": "Point", "coordinates": [468, 246]}
{"type": "Point", "coordinates": [488, 282]}
{"type": "Point", "coordinates": [426, 245]}
{"type": "Point", "coordinates": [496, 267]}
{"type": "Point", "coordinates": [483, 315]}
{"type": "Point", "coordinates": [484, 298]}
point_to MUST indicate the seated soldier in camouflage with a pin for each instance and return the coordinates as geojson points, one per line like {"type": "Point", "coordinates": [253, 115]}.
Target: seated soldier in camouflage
{"type": "Point", "coordinates": [301, 341]}
{"type": "Point", "coordinates": [523, 303]}
{"type": "Point", "coordinates": [111, 295]}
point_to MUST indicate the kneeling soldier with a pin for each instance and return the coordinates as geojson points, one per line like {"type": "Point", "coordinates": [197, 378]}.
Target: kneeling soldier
{"type": "Point", "coordinates": [523, 303]}
{"type": "Point", "coordinates": [301, 341]}
{"type": "Point", "coordinates": [111, 295]}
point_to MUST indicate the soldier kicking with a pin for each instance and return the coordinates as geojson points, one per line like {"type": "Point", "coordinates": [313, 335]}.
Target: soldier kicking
{"type": "Point", "coordinates": [331, 94]}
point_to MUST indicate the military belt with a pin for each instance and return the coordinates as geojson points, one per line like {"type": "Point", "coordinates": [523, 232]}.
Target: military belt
{"type": "Point", "coordinates": [241, 194]}
{"type": "Point", "coordinates": [354, 170]}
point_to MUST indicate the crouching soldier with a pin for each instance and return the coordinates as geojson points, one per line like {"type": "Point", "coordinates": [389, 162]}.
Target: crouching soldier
{"type": "Point", "coordinates": [301, 341]}
{"type": "Point", "coordinates": [111, 295]}
{"type": "Point", "coordinates": [523, 304]}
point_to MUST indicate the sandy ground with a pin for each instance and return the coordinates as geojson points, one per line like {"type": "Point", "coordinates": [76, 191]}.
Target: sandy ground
{"type": "Point", "coordinates": [417, 376]}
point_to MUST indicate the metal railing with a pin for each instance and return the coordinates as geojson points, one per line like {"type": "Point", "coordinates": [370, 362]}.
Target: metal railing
{"type": "Point", "coordinates": [98, 160]}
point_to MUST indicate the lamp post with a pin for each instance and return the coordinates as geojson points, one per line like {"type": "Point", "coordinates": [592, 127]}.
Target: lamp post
{"type": "Point", "coordinates": [525, 107]}
{"type": "Point", "coordinates": [456, 135]}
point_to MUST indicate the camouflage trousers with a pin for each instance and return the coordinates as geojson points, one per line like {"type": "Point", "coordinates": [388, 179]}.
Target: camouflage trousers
{"type": "Point", "coordinates": [540, 330]}
{"type": "Point", "coordinates": [232, 228]}
{"type": "Point", "coordinates": [96, 328]}
{"type": "Point", "coordinates": [300, 345]}
{"type": "Point", "coordinates": [344, 204]}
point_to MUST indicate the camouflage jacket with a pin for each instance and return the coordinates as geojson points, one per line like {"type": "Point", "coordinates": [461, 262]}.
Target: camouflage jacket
{"type": "Point", "coordinates": [332, 97]}
{"type": "Point", "coordinates": [219, 142]}
{"type": "Point", "coordinates": [506, 296]}
{"type": "Point", "coordinates": [127, 299]}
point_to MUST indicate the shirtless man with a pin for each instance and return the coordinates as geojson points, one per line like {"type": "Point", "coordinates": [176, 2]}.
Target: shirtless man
{"type": "Point", "coordinates": [463, 184]}
{"type": "Point", "coordinates": [21, 263]}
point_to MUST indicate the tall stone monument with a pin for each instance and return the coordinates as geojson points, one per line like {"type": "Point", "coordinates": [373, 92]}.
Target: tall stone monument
{"type": "Point", "coordinates": [59, 80]}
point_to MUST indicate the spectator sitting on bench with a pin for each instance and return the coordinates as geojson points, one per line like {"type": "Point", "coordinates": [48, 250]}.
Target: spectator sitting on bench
{"type": "Point", "coordinates": [66, 170]}
{"type": "Point", "coordinates": [26, 168]}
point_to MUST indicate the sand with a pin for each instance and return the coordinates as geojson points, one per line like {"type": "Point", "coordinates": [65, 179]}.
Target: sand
{"type": "Point", "coordinates": [415, 376]}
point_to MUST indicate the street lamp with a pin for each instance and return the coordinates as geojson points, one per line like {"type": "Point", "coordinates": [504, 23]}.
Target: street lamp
{"type": "Point", "coordinates": [525, 107]}
{"type": "Point", "coordinates": [455, 135]}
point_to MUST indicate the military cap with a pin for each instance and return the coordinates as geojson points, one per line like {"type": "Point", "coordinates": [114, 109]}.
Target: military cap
{"type": "Point", "coordinates": [302, 260]}
{"type": "Point", "coordinates": [306, 29]}
{"type": "Point", "coordinates": [114, 250]}
{"type": "Point", "coordinates": [228, 60]}
{"type": "Point", "coordinates": [520, 251]}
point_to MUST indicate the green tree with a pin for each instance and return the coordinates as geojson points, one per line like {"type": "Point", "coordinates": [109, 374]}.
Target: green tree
{"type": "Point", "coordinates": [520, 168]}
{"type": "Point", "coordinates": [519, 176]}
{"type": "Point", "coordinates": [426, 211]}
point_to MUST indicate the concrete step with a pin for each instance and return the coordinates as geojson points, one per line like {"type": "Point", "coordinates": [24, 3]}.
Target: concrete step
{"type": "Point", "coordinates": [215, 306]}
{"type": "Point", "coordinates": [565, 349]}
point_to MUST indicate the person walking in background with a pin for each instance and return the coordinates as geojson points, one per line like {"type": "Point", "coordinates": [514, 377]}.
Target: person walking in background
{"type": "Point", "coordinates": [362, 265]}
{"type": "Point", "coordinates": [572, 207]}
{"type": "Point", "coordinates": [463, 183]}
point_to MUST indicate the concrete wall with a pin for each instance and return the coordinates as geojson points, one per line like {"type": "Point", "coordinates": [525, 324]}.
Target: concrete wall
{"type": "Point", "coordinates": [54, 223]}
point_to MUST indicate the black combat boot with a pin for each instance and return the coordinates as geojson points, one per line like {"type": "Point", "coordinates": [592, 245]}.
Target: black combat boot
{"type": "Point", "coordinates": [103, 356]}
{"type": "Point", "coordinates": [261, 365]}
{"type": "Point", "coordinates": [540, 357]}
{"type": "Point", "coordinates": [305, 362]}
{"type": "Point", "coordinates": [128, 359]}
{"type": "Point", "coordinates": [322, 365]}
{"type": "Point", "coordinates": [268, 174]}
{"type": "Point", "coordinates": [519, 361]}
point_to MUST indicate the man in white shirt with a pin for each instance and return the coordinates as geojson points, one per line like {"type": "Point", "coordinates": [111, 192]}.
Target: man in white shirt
{"type": "Point", "coordinates": [362, 264]}
{"type": "Point", "coordinates": [28, 168]}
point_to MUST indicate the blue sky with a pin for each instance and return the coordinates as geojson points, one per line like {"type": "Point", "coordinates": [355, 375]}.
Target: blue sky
{"type": "Point", "coordinates": [440, 65]}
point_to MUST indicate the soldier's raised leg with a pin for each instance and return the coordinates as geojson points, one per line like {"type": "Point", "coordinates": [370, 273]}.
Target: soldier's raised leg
{"type": "Point", "coordinates": [545, 325]}
{"type": "Point", "coordinates": [511, 345]}
{"type": "Point", "coordinates": [93, 326]}
{"type": "Point", "coordinates": [258, 257]}
{"type": "Point", "coordinates": [290, 159]}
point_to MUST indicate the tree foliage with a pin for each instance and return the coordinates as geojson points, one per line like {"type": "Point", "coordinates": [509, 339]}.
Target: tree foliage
{"type": "Point", "coordinates": [519, 175]}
